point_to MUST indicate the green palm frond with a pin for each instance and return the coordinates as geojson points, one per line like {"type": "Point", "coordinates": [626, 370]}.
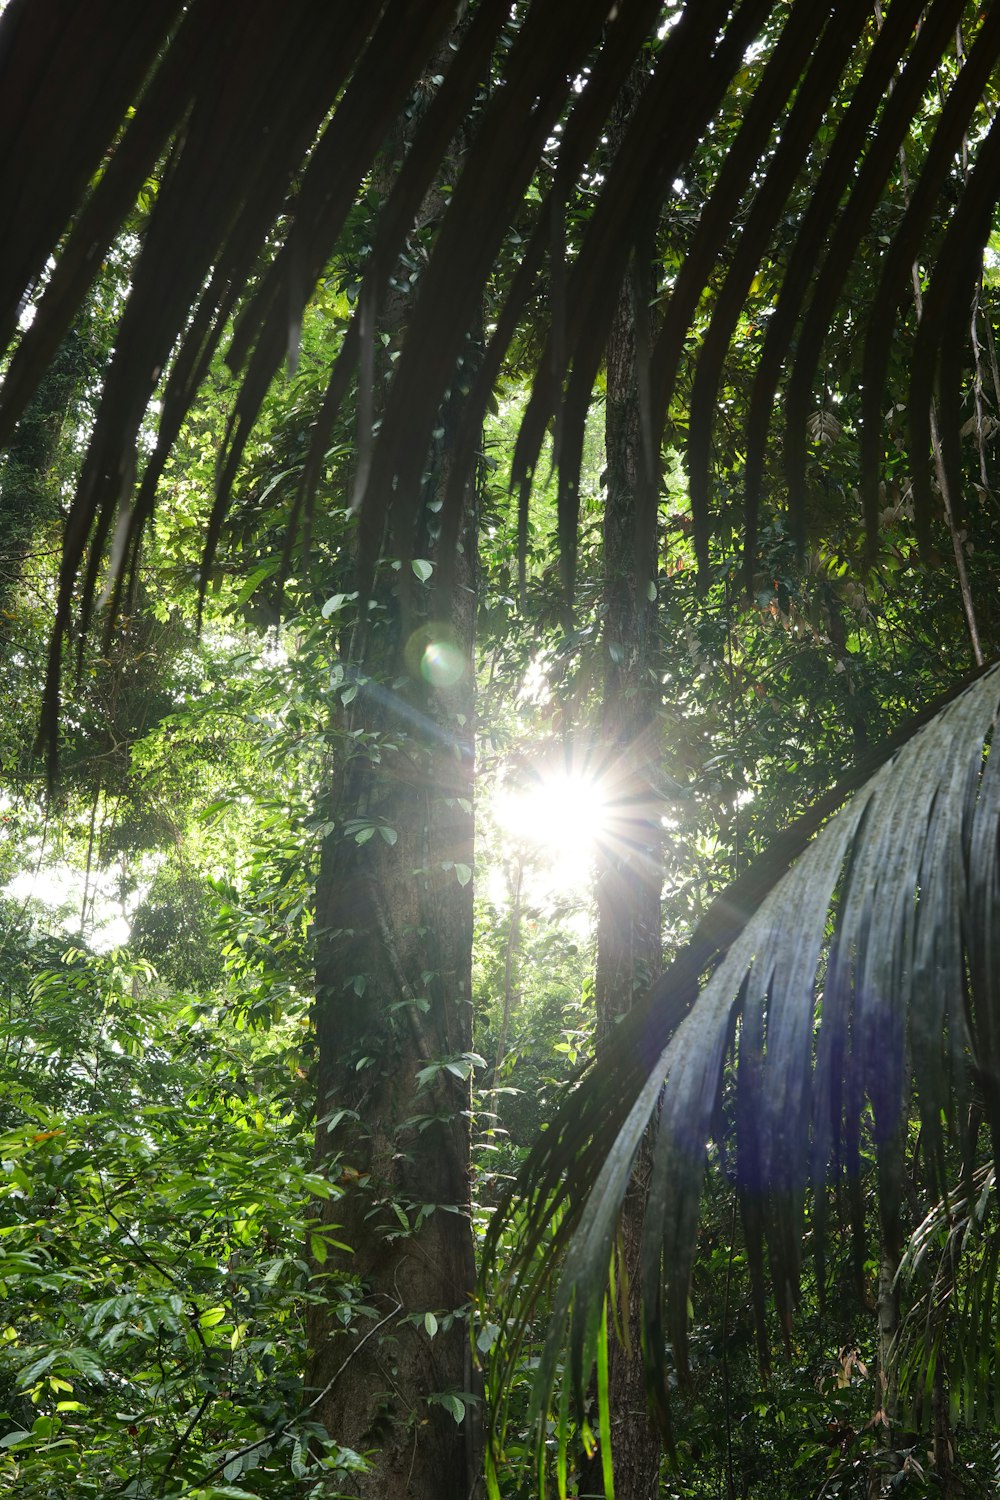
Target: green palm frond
{"type": "Point", "coordinates": [855, 961]}
{"type": "Point", "coordinates": [950, 1266]}
{"type": "Point", "coordinates": [260, 122]}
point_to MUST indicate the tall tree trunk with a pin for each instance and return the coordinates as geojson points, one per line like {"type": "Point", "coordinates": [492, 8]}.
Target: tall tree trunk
{"type": "Point", "coordinates": [630, 865]}
{"type": "Point", "coordinates": [888, 1327]}
{"type": "Point", "coordinates": [886, 1416]}
{"type": "Point", "coordinates": [391, 1354]}
{"type": "Point", "coordinates": [394, 1021]}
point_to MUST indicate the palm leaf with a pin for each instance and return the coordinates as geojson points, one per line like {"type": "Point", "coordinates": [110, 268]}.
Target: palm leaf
{"type": "Point", "coordinates": [950, 1264]}
{"type": "Point", "coordinates": [858, 955]}
{"type": "Point", "coordinates": [262, 121]}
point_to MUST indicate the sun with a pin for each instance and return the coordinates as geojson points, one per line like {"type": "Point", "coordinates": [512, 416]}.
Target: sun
{"type": "Point", "coordinates": [559, 816]}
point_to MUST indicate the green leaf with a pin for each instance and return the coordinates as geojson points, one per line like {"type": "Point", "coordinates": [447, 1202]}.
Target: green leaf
{"type": "Point", "coordinates": [314, 1181]}
{"type": "Point", "coordinates": [255, 580]}
{"type": "Point", "coordinates": [214, 807]}
{"type": "Point", "coordinates": [422, 568]}
{"type": "Point", "coordinates": [463, 874]}
{"type": "Point", "coordinates": [212, 1316]}
{"type": "Point", "coordinates": [31, 1374]}
{"type": "Point", "coordinates": [299, 1466]}
{"type": "Point", "coordinates": [451, 1403]}
{"type": "Point", "coordinates": [603, 1405]}
{"type": "Point", "coordinates": [487, 1337]}
{"type": "Point", "coordinates": [223, 1492]}
{"type": "Point", "coordinates": [431, 1324]}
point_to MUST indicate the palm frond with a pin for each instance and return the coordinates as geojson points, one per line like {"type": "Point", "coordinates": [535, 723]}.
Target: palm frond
{"type": "Point", "coordinates": [858, 955]}
{"type": "Point", "coordinates": [950, 1265]}
{"type": "Point", "coordinates": [262, 121]}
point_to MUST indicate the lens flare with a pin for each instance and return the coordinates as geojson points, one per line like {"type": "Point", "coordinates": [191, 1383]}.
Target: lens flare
{"type": "Point", "coordinates": [432, 654]}
{"type": "Point", "coordinates": [441, 664]}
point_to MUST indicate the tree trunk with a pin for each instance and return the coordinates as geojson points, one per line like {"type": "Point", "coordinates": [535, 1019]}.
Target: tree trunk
{"type": "Point", "coordinates": [394, 1022]}
{"type": "Point", "coordinates": [886, 1416]}
{"type": "Point", "coordinates": [888, 1327]}
{"type": "Point", "coordinates": [630, 864]}
{"type": "Point", "coordinates": [390, 1346]}
{"type": "Point", "coordinates": [949, 1479]}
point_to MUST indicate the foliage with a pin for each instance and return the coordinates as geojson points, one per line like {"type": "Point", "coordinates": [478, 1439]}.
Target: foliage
{"type": "Point", "coordinates": [157, 1202]}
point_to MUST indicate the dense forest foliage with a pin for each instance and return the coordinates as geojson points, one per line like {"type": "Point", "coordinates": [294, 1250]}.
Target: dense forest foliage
{"type": "Point", "coordinates": [449, 1043]}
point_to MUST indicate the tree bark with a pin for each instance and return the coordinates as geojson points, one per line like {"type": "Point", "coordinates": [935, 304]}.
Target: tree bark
{"type": "Point", "coordinates": [888, 1327]}
{"type": "Point", "coordinates": [630, 862]}
{"type": "Point", "coordinates": [394, 942]}
{"type": "Point", "coordinates": [390, 1346]}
